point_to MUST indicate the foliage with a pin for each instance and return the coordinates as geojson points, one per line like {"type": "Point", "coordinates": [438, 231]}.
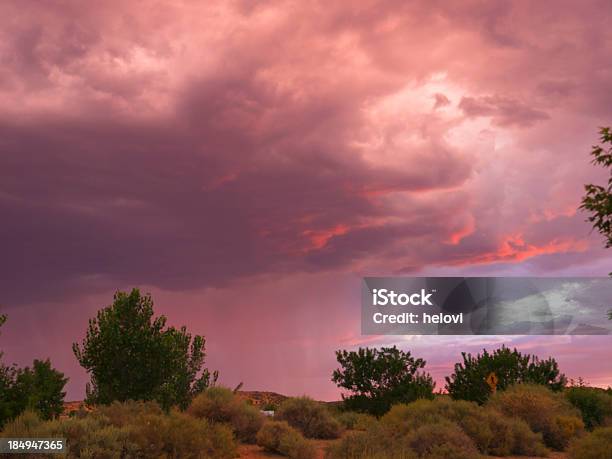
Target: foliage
{"type": "Point", "coordinates": [379, 378]}
{"type": "Point", "coordinates": [436, 440]}
{"type": "Point", "coordinates": [280, 437]}
{"type": "Point", "coordinates": [219, 404]}
{"type": "Point", "coordinates": [124, 413]}
{"type": "Point", "coordinates": [491, 433]}
{"type": "Point", "coordinates": [7, 379]}
{"type": "Point", "coordinates": [595, 445]}
{"type": "Point", "coordinates": [598, 199]}
{"type": "Point", "coordinates": [441, 440]}
{"type": "Point", "coordinates": [310, 417]}
{"type": "Point", "coordinates": [352, 420]}
{"type": "Point", "coordinates": [40, 388]}
{"type": "Point", "coordinates": [9, 404]}
{"type": "Point", "coordinates": [132, 355]}
{"type": "Point", "coordinates": [374, 443]}
{"type": "Point", "coordinates": [468, 382]}
{"type": "Point", "coordinates": [546, 412]}
{"type": "Point", "coordinates": [131, 429]}
{"type": "Point", "coordinates": [594, 404]}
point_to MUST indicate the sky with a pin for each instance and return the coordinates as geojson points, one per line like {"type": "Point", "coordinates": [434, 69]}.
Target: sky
{"type": "Point", "coordinates": [248, 162]}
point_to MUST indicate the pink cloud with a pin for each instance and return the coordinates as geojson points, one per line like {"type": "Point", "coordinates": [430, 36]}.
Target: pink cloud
{"type": "Point", "coordinates": [195, 147]}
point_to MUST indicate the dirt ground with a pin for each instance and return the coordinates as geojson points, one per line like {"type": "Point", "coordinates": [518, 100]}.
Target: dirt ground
{"type": "Point", "coordinates": [256, 452]}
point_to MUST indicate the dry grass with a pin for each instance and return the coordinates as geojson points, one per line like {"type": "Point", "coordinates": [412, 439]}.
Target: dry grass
{"type": "Point", "coordinates": [257, 452]}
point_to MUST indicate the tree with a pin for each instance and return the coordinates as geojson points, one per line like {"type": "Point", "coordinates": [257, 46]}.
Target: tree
{"type": "Point", "coordinates": [7, 378]}
{"type": "Point", "coordinates": [469, 381]}
{"type": "Point", "coordinates": [378, 378]}
{"type": "Point", "coordinates": [131, 355]}
{"type": "Point", "coordinates": [40, 388]}
{"type": "Point", "coordinates": [598, 199]}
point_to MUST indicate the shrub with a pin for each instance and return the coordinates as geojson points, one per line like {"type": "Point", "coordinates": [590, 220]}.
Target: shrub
{"type": "Point", "coordinates": [280, 437]}
{"type": "Point", "coordinates": [219, 404]}
{"type": "Point", "coordinates": [378, 378]}
{"type": "Point", "coordinates": [595, 405]}
{"type": "Point", "coordinates": [442, 440]}
{"type": "Point", "coordinates": [546, 412]}
{"type": "Point", "coordinates": [185, 436]}
{"type": "Point", "coordinates": [374, 443]}
{"type": "Point", "coordinates": [27, 424]}
{"type": "Point", "coordinates": [490, 432]}
{"type": "Point", "coordinates": [355, 421]}
{"type": "Point", "coordinates": [468, 382]}
{"type": "Point", "coordinates": [88, 437]}
{"type": "Point", "coordinates": [436, 440]}
{"type": "Point", "coordinates": [595, 445]}
{"type": "Point", "coordinates": [135, 430]}
{"type": "Point", "coordinates": [310, 417]}
{"type": "Point", "coordinates": [123, 413]}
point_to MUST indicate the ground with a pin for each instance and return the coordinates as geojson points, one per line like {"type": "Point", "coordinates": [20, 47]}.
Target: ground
{"type": "Point", "coordinates": [256, 452]}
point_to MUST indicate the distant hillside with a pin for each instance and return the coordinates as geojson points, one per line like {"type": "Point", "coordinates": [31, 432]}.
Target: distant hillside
{"type": "Point", "coordinates": [261, 399]}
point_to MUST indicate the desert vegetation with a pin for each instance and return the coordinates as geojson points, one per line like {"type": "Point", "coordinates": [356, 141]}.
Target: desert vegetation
{"type": "Point", "coordinates": [469, 380]}
{"type": "Point", "coordinates": [311, 418]}
{"type": "Point", "coordinates": [375, 379]}
{"type": "Point", "coordinates": [279, 437]}
{"type": "Point", "coordinates": [221, 405]}
{"type": "Point", "coordinates": [389, 408]}
{"type": "Point", "coordinates": [40, 387]}
{"type": "Point", "coordinates": [132, 355]}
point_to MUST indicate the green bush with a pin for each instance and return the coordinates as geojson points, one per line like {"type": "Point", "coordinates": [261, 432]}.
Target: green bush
{"type": "Point", "coordinates": [376, 379]}
{"type": "Point", "coordinates": [594, 404]}
{"type": "Point", "coordinates": [546, 412]}
{"type": "Point", "coordinates": [280, 437]}
{"type": "Point", "coordinates": [595, 445]}
{"type": "Point", "coordinates": [490, 432]}
{"type": "Point", "coordinates": [219, 404]}
{"type": "Point", "coordinates": [310, 417]}
{"type": "Point", "coordinates": [468, 382]}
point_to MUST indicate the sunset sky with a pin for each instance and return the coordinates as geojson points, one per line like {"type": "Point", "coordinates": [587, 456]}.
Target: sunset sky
{"type": "Point", "coordinates": [248, 162]}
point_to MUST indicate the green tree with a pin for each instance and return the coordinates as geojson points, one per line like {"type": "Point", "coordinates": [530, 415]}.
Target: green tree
{"type": "Point", "coordinates": [7, 379]}
{"type": "Point", "coordinates": [132, 355]}
{"type": "Point", "coordinates": [379, 378]}
{"type": "Point", "coordinates": [468, 382]}
{"type": "Point", "coordinates": [598, 199]}
{"type": "Point", "coordinates": [40, 388]}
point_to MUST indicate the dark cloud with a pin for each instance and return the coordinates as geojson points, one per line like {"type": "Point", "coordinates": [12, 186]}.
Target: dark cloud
{"type": "Point", "coordinates": [504, 112]}
{"type": "Point", "coordinates": [241, 139]}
